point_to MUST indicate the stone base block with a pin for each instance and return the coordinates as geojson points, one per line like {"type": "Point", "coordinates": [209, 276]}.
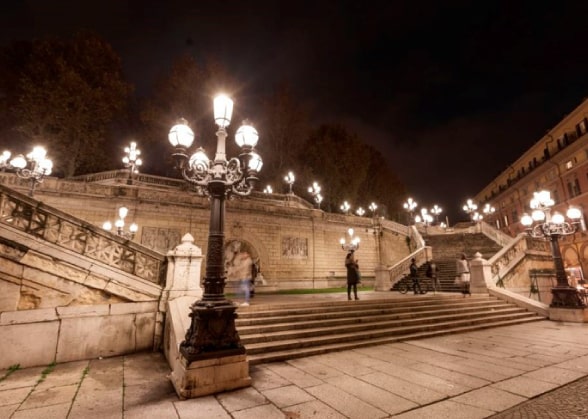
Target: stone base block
{"type": "Point", "coordinates": [210, 376]}
{"type": "Point", "coordinates": [577, 315]}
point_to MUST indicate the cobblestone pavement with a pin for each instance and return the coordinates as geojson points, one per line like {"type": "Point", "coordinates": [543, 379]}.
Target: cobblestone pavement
{"type": "Point", "coordinates": [567, 402]}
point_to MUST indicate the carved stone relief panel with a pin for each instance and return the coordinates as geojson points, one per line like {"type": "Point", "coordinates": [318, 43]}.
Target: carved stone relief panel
{"type": "Point", "coordinates": [294, 247]}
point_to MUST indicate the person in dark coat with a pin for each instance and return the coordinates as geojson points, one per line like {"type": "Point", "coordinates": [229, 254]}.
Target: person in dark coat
{"type": "Point", "coordinates": [415, 277]}
{"type": "Point", "coordinates": [352, 274]}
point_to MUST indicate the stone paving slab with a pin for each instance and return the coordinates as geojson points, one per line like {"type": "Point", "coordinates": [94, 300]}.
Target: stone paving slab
{"type": "Point", "coordinates": [431, 378]}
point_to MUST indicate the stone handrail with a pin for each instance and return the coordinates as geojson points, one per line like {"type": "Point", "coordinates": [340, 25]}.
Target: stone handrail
{"type": "Point", "coordinates": [495, 234]}
{"type": "Point", "coordinates": [35, 218]}
{"type": "Point", "coordinates": [402, 268]}
{"type": "Point", "coordinates": [503, 262]}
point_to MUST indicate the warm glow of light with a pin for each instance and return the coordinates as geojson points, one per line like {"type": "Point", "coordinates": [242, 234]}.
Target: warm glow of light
{"type": "Point", "coordinates": [223, 110]}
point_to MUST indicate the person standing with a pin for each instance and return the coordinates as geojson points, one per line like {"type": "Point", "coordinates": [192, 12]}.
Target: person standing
{"type": "Point", "coordinates": [244, 264]}
{"type": "Point", "coordinates": [352, 274]}
{"type": "Point", "coordinates": [463, 274]}
{"type": "Point", "coordinates": [432, 272]}
{"type": "Point", "coordinates": [415, 277]}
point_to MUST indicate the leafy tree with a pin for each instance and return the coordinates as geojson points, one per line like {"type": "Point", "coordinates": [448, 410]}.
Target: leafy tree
{"type": "Point", "coordinates": [66, 95]}
{"type": "Point", "coordinates": [338, 160]}
{"type": "Point", "coordinates": [283, 132]}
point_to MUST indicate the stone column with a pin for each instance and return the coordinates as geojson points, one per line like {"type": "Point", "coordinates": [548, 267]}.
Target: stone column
{"type": "Point", "coordinates": [382, 278]}
{"type": "Point", "coordinates": [479, 273]}
{"type": "Point", "coordinates": [184, 264]}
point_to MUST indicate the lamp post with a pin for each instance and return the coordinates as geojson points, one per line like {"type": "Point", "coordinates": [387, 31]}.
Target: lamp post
{"type": "Point", "coordinates": [268, 190]}
{"type": "Point", "coordinates": [477, 217]}
{"type": "Point", "coordinates": [120, 225]}
{"type": "Point", "coordinates": [470, 208]}
{"type": "Point", "coordinates": [352, 244]}
{"type": "Point", "coordinates": [542, 223]}
{"type": "Point", "coordinates": [373, 207]}
{"type": "Point", "coordinates": [410, 206]}
{"type": "Point", "coordinates": [315, 191]}
{"type": "Point", "coordinates": [212, 333]}
{"type": "Point", "coordinates": [436, 210]}
{"type": "Point", "coordinates": [289, 179]}
{"type": "Point", "coordinates": [132, 160]}
{"type": "Point", "coordinates": [35, 166]}
{"type": "Point", "coordinates": [360, 211]}
{"type": "Point", "coordinates": [424, 218]}
{"type": "Point", "coordinates": [345, 207]}
{"type": "Point", "coordinates": [4, 162]}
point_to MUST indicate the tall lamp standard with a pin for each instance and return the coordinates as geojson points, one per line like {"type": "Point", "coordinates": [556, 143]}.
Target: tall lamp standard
{"type": "Point", "coordinates": [4, 160]}
{"type": "Point", "coordinates": [488, 210]}
{"type": "Point", "coordinates": [551, 226]}
{"type": "Point", "coordinates": [470, 208]}
{"type": "Point", "coordinates": [132, 160]}
{"type": "Point", "coordinates": [212, 333]}
{"type": "Point", "coordinates": [360, 211]}
{"type": "Point", "coordinates": [436, 210]}
{"type": "Point", "coordinates": [120, 225]}
{"type": "Point", "coordinates": [345, 207]}
{"type": "Point", "coordinates": [35, 166]}
{"type": "Point", "coordinates": [289, 179]}
{"type": "Point", "coordinates": [410, 206]}
{"type": "Point", "coordinates": [315, 191]}
{"type": "Point", "coordinates": [352, 244]}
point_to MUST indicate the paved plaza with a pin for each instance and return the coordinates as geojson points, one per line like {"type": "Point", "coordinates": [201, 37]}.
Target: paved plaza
{"type": "Point", "coordinates": [536, 370]}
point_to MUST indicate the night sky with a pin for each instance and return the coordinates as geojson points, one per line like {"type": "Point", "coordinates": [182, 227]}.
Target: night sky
{"type": "Point", "coordinates": [451, 92]}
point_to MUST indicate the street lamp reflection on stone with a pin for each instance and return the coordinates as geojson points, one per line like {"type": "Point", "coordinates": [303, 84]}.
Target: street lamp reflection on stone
{"type": "Point", "coordinates": [35, 166]}
{"type": "Point", "coordinates": [212, 333]}
{"type": "Point", "coordinates": [352, 244]}
{"type": "Point", "coordinates": [542, 223]}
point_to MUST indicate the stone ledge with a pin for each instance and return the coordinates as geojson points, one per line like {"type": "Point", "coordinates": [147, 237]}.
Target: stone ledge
{"type": "Point", "coordinates": [576, 315]}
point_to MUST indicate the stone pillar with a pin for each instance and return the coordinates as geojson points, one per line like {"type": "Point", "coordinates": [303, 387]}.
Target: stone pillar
{"type": "Point", "coordinates": [382, 279]}
{"type": "Point", "coordinates": [479, 273]}
{"type": "Point", "coordinates": [184, 264]}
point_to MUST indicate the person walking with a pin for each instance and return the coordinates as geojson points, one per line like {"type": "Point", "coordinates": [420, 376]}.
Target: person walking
{"type": "Point", "coordinates": [415, 277]}
{"type": "Point", "coordinates": [432, 272]}
{"type": "Point", "coordinates": [352, 274]}
{"type": "Point", "coordinates": [463, 274]}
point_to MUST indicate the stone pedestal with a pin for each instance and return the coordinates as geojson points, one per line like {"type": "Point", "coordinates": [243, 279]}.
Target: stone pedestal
{"type": "Point", "coordinates": [210, 376]}
{"type": "Point", "coordinates": [382, 279]}
{"type": "Point", "coordinates": [479, 271]}
{"type": "Point", "coordinates": [577, 315]}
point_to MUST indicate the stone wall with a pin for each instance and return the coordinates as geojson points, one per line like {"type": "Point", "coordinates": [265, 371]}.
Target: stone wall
{"type": "Point", "coordinates": [297, 246]}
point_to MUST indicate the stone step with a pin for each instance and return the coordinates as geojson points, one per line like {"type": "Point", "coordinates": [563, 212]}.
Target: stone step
{"type": "Point", "coordinates": [271, 333]}
{"type": "Point", "coordinates": [300, 352]}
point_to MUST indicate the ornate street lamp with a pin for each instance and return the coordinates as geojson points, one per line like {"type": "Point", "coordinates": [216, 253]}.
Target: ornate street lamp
{"type": "Point", "coordinates": [424, 218]}
{"type": "Point", "coordinates": [345, 207]}
{"type": "Point", "coordinates": [542, 223]}
{"type": "Point", "coordinates": [373, 207]}
{"type": "Point", "coordinates": [120, 225]}
{"type": "Point", "coordinates": [352, 244]}
{"type": "Point", "coordinates": [360, 211]}
{"type": "Point", "coordinates": [477, 217]}
{"type": "Point", "coordinates": [4, 160]}
{"type": "Point", "coordinates": [470, 208]}
{"type": "Point", "coordinates": [132, 161]}
{"type": "Point", "coordinates": [410, 206]}
{"type": "Point", "coordinates": [212, 333]}
{"type": "Point", "coordinates": [268, 190]}
{"type": "Point", "coordinates": [436, 210]}
{"type": "Point", "coordinates": [35, 166]}
{"type": "Point", "coordinates": [315, 191]}
{"type": "Point", "coordinates": [488, 209]}
{"type": "Point", "coordinates": [289, 179]}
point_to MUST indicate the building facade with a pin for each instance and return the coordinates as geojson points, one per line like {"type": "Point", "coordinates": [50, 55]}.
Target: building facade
{"type": "Point", "coordinates": [558, 163]}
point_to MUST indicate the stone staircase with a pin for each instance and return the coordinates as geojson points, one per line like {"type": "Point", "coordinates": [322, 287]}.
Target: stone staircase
{"type": "Point", "coordinates": [446, 249]}
{"type": "Point", "coordinates": [287, 331]}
